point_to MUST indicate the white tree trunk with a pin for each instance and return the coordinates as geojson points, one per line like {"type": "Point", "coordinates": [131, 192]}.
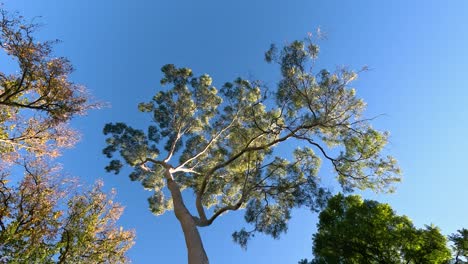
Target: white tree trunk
{"type": "Point", "coordinates": [195, 250]}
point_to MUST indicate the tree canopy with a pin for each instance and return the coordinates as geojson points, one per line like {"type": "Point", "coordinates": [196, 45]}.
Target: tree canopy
{"type": "Point", "coordinates": [222, 144]}
{"type": "Point", "coordinates": [352, 230]}
{"type": "Point", "coordinates": [44, 216]}
{"type": "Point", "coordinates": [37, 99]}
{"type": "Point", "coordinates": [47, 219]}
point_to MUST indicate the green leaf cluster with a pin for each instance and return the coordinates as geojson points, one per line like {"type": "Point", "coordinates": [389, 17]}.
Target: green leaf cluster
{"type": "Point", "coordinates": [460, 246]}
{"type": "Point", "coordinates": [352, 230]}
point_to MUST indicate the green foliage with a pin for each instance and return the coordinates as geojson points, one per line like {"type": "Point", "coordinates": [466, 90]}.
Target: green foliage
{"type": "Point", "coordinates": [226, 139]}
{"type": "Point", "coordinates": [352, 230]}
{"type": "Point", "coordinates": [460, 245]}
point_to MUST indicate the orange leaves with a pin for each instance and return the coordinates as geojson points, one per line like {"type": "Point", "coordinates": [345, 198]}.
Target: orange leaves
{"type": "Point", "coordinates": [45, 217]}
{"type": "Point", "coordinates": [46, 213]}
{"type": "Point", "coordinates": [38, 100]}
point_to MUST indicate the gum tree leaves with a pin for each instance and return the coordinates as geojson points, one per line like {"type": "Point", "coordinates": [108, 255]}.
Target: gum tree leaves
{"type": "Point", "coordinates": [226, 144]}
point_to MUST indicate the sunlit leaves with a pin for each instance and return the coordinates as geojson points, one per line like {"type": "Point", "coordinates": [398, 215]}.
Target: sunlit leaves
{"type": "Point", "coordinates": [47, 219]}
{"type": "Point", "coordinates": [352, 230]}
{"type": "Point", "coordinates": [159, 204]}
{"type": "Point", "coordinates": [90, 233]}
{"type": "Point", "coordinates": [44, 217]}
{"type": "Point", "coordinates": [224, 144]}
{"type": "Point", "coordinates": [282, 187]}
{"type": "Point", "coordinates": [38, 99]}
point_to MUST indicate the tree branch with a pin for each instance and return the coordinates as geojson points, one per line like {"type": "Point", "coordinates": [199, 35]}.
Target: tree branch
{"type": "Point", "coordinates": [212, 140]}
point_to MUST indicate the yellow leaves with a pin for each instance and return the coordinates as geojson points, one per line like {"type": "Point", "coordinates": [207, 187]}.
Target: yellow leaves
{"type": "Point", "coordinates": [40, 89]}
{"type": "Point", "coordinates": [253, 95]}
{"type": "Point", "coordinates": [36, 105]}
{"type": "Point", "coordinates": [205, 80]}
{"type": "Point", "coordinates": [57, 215]}
{"type": "Point", "coordinates": [290, 72]}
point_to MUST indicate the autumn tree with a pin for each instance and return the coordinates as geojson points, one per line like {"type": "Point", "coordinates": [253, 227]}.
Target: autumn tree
{"type": "Point", "coordinates": [222, 145]}
{"type": "Point", "coordinates": [37, 98]}
{"type": "Point", "coordinates": [352, 230]}
{"type": "Point", "coordinates": [41, 220]}
{"type": "Point", "coordinates": [46, 219]}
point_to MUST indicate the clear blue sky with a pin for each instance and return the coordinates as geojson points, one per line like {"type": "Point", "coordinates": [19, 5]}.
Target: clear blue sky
{"type": "Point", "coordinates": [417, 50]}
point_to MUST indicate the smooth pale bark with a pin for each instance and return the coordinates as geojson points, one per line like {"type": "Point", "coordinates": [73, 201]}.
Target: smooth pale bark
{"type": "Point", "coordinates": [195, 250]}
